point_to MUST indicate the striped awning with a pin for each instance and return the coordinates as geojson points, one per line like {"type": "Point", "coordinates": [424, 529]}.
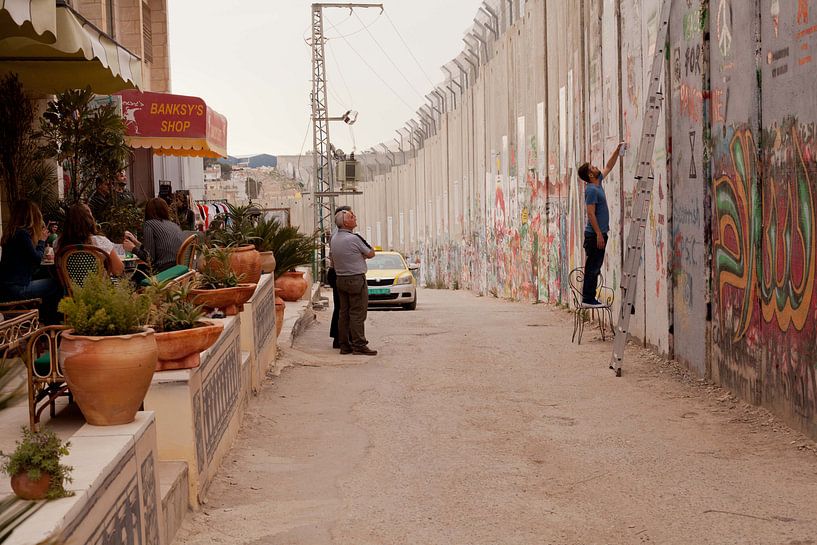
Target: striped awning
{"type": "Point", "coordinates": [33, 19]}
{"type": "Point", "coordinates": [82, 55]}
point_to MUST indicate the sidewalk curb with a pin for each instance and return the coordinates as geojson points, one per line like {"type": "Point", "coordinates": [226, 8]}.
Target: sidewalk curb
{"type": "Point", "coordinates": [306, 314]}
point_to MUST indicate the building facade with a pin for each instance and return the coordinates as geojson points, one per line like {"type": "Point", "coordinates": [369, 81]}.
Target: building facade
{"type": "Point", "coordinates": [141, 27]}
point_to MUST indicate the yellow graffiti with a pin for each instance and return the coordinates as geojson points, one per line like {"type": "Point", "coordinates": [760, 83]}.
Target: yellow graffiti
{"type": "Point", "coordinates": [789, 248]}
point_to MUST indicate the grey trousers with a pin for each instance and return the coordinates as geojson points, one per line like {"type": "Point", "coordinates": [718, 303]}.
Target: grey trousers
{"type": "Point", "coordinates": [354, 302]}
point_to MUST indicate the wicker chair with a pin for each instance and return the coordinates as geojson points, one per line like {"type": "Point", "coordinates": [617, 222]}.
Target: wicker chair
{"type": "Point", "coordinates": [46, 382]}
{"type": "Point", "coordinates": [604, 294]}
{"type": "Point", "coordinates": [76, 261]}
{"type": "Point", "coordinates": [185, 268]}
{"type": "Point", "coordinates": [188, 252]}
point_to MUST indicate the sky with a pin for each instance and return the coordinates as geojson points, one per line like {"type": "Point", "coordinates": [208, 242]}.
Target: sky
{"type": "Point", "coordinates": [249, 61]}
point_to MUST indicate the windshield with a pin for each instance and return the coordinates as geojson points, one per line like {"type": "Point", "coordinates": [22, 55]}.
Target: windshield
{"type": "Point", "coordinates": [386, 261]}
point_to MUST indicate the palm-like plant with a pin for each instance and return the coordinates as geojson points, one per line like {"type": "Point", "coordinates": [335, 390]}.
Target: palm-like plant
{"type": "Point", "coordinates": [23, 170]}
{"type": "Point", "coordinates": [235, 227]}
{"type": "Point", "coordinates": [290, 247]}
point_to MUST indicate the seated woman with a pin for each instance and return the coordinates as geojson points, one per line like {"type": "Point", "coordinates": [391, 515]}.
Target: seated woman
{"type": "Point", "coordinates": [80, 228]}
{"type": "Point", "coordinates": [23, 247]}
{"type": "Point", "coordinates": [162, 237]}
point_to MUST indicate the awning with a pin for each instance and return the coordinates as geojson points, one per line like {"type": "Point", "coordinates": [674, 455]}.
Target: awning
{"type": "Point", "coordinates": [82, 55]}
{"type": "Point", "coordinates": [33, 19]}
{"type": "Point", "coordinates": [173, 124]}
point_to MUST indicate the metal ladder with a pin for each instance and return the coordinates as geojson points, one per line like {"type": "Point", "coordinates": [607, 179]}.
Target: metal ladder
{"type": "Point", "coordinates": [644, 181]}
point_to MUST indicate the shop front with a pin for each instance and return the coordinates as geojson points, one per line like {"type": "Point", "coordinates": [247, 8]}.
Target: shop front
{"type": "Point", "coordinates": [170, 134]}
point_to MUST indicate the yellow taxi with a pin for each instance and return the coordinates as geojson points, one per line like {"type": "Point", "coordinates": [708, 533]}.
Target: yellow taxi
{"type": "Point", "coordinates": [391, 281]}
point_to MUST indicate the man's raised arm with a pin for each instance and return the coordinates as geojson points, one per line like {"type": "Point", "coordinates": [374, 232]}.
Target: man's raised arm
{"type": "Point", "coordinates": [612, 161]}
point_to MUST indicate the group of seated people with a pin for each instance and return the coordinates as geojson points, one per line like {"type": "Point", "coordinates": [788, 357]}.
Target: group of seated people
{"type": "Point", "coordinates": [24, 243]}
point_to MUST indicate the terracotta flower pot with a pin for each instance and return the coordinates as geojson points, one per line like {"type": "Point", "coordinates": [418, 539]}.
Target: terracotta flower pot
{"type": "Point", "coordinates": [279, 312]}
{"type": "Point", "coordinates": [182, 349]}
{"type": "Point", "coordinates": [267, 262]}
{"type": "Point", "coordinates": [293, 285]}
{"type": "Point", "coordinates": [109, 376]}
{"type": "Point", "coordinates": [231, 300]}
{"type": "Point", "coordinates": [246, 262]}
{"type": "Point", "coordinates": [29, 489]}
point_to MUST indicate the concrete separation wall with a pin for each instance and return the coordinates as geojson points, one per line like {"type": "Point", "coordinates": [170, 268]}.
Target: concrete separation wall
{"type": "Point", "coordinates": [487, 193]}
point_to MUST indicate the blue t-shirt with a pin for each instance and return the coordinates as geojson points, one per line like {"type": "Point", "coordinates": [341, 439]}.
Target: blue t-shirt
{"type": "Point", "coordinates": [594, 194]}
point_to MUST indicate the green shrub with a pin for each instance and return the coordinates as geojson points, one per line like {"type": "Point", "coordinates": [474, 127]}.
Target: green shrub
{"type": "Point", "coordinates": [101, 307]}
{"type": "Point", "coordinates": [38, 453]}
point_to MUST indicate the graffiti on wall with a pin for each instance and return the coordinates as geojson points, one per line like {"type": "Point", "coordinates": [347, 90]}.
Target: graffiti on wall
{"type": "Point", "coordinates": [789, 248]}
{"type": "Point", "coordinates": [737, 213]}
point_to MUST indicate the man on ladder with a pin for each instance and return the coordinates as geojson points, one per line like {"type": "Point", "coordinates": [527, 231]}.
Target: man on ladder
{"type": "Point", "coordinates": [598, 225]}
{"type": "Point", "coordinates": [634, 246]}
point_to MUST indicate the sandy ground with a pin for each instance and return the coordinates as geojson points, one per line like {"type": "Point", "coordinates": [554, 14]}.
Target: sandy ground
{"type": "Point", "coordinates": [480, 423]}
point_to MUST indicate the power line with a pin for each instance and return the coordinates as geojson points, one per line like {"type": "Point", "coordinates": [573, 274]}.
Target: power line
{"type": "Point", "coordinates": [343, 79]}
{"type": "Point", "coordinates": [369, 32]}
{"type": "Point", "coordinates": [301, 153]}
{"type": "Point", "coordinates": [383, 81]}
{"type": "Point", "coordinates": [420, 66]}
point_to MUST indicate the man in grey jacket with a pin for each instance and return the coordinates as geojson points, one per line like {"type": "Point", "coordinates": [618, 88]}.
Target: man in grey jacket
{"type": "Point", "coordinates": [349, 253]}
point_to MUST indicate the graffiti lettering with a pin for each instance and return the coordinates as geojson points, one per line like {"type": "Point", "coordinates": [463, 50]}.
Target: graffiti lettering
{"type": "Point", "coordinates": [685, 250]}
{"type": "Point", "coordinates": [692, 62]}
{"type": "Point", "coordinates": [683, 215]}
{"type": "Point", "coordinates": [691, 102]}
{"type": "Point", "coordinates": [802, 11]}
{"type": "Point", "coordinates": [693, 23]}
{"type": "Point", "coordinates": [789, 243]}
{"type": "Point", "coordinates": [737, 210]}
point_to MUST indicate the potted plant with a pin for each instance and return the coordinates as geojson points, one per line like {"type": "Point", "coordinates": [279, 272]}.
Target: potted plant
{"type": "Point", "coordinates": [234, 231]}
{"type": "Point", "coordinates": [264, 233]}
{"type": "Point", "coordinates": [34, 466]}
{"type": "Point", "coordinates": [292, 249]}
{"type": "Point", "coordinates": [219, 285]}
{"type": "Point", "coordinates": [108, 355]}
{"type": "Point", "coordinates": [87, 139]}
{"type": "Point", "coordinates": [181, 331]}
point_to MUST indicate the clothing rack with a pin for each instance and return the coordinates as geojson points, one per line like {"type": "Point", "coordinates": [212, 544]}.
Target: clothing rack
{"type": "Point", "coordinates": [209, 208]}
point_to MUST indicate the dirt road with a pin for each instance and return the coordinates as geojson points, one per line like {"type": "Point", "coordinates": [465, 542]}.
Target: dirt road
{"type": "Point", "coordinates": [480, 423]}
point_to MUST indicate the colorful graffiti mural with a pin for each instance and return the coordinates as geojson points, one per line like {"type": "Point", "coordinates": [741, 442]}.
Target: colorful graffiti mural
{"type": "Point", "coordinates": [730, 256]}
{"type": "Point", "coordinates": [737, 214]}
{"type": "Point", "coordinates": [789, 246]}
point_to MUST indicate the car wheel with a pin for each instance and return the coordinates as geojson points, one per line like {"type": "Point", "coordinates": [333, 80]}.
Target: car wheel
{"type": "Point", "coordinates": [412, 305]}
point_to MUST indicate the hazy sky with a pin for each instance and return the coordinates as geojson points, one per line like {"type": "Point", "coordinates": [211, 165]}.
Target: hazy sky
{"type": "Point", "coordinates": [248, 60]}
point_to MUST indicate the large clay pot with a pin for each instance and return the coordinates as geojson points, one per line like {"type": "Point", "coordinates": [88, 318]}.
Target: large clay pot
{"type": "Point", "coordinates": [279, 312]}
{"type": "Point", "coordinates": [109, 376]}
{"type": "Point", "coordinates": [29, 489]}
{"type": "Point", "coordinates": [230, 300]}
{"type": "Point", "coordinates": [182, 349]}
{"type": "Point", "coordinates": [267, 262]}
{"type": "Point", "coordinates": [246, 262]}
{"type": "Point", "coordinates": [293, 285]}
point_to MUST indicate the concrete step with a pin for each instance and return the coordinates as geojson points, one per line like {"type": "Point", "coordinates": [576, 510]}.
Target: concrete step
{"type": "Point", "coordinates": [174, 488]}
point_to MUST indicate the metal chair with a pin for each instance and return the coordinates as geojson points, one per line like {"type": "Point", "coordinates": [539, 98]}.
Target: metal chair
{"type": "Point", "coordinates": [76, 261]}
{"type": "Point", "coordinates": [604, 294]}
{"type": "Point", "coordinates": [46, 382]}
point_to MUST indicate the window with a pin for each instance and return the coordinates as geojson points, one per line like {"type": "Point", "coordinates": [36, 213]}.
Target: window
{"type": "Point", "coordinates": [110, 13]}
{"type": "Point", "coordinates": [147, 33]}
